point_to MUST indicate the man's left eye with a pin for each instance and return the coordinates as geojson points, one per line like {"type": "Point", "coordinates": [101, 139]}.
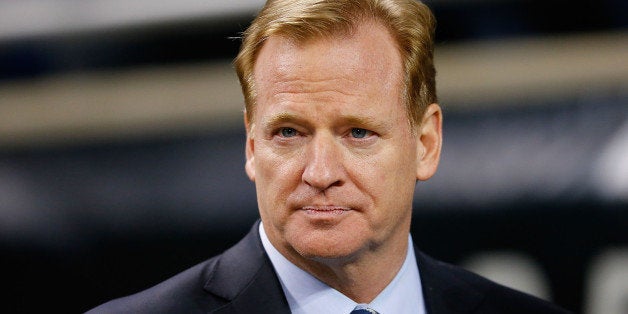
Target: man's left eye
{"type": "Point", "coordinates": [359, 133]}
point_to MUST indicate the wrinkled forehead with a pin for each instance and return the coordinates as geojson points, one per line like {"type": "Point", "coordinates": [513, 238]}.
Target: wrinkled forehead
{"type": "Point", "coordinates": [363, 69]}
{"type": "Point", "coordinates": [365, 53]}
{"type": "Point", "coordinates": [368, 53]}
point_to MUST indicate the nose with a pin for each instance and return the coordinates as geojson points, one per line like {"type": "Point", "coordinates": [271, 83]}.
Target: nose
{"type": "Point", "coordinates": [323, 164]}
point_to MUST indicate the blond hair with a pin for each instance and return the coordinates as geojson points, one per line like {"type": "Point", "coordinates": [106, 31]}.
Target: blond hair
{"type": "Point", "coordinates": [410, 23]}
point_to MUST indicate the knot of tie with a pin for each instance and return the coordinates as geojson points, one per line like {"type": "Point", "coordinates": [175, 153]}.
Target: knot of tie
{"type": "Point", "coordinates": [362, 309]}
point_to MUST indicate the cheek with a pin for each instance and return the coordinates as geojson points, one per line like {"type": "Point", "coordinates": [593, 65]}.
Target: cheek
{"type": "Point", "coordinates": [276, 175]}
{"type": "Point", "coordinates": [389, 179]}
{"type": "Point", "coordinates": [393, 167]}
{"type": "Point", "coordinates": [282, 168]}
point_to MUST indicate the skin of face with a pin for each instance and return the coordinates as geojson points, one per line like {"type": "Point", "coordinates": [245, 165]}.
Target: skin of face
{"type": "Point", "coordinates": [331, 151]}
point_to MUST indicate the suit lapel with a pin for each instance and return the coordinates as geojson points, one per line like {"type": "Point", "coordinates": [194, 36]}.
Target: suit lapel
{"type": "Point", "coordinates": [443, 290]}
{"type": "Point", "coordinates": [244, 276]}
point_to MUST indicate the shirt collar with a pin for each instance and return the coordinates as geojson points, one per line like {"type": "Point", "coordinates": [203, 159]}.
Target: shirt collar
{"type": "Point", "coordinates": [306, 294]}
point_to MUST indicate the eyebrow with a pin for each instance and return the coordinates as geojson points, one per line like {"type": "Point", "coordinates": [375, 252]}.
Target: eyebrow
{"type": "Point", "coordinates": [279, 119]}
{"type": "Point", "coordinates": [364, 121]}
{"type": "Point", "coordinates": [358, 121]}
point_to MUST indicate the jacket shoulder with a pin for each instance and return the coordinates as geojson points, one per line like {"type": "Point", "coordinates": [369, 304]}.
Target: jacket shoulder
{"type": "Point", "coordinates": [240, 280]}
{"type": "Point", "coordinates": [456, 289]}
{"type": "Point", "coordinates": [183, 292]}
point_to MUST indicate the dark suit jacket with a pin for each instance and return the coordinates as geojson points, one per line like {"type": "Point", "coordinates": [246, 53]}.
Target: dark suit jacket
{"type": "Point", "coordinates": [242, 280]}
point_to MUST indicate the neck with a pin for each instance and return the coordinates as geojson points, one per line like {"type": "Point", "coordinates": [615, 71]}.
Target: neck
{"type": "Point", "coordinates": [361, 277]}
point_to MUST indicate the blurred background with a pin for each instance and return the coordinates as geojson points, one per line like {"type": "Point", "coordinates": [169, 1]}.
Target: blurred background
{"type": "Point", "coordinates": [122, 146]}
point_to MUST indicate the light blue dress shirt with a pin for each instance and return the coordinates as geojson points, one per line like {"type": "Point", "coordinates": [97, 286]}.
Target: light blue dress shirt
{"type": "Point", "coordinates": [308, 295]}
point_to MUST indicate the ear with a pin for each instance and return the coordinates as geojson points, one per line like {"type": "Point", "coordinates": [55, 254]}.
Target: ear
{"type": "Point", "coordinates": [430, 139]}
{"type": "Point", "coordinates": [249, 149]}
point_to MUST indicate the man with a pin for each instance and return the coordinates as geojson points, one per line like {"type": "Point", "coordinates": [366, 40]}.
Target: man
{"type": "Point", "coordinates": [341, 121]}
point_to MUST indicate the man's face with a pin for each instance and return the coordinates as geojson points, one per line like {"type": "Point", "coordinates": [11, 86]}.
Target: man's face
{"type": "Point", "coordinates": [330, 148]}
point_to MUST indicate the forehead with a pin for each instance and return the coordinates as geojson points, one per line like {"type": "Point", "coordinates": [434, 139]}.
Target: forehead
{"type": "Point", "coordinates": [352, 60]}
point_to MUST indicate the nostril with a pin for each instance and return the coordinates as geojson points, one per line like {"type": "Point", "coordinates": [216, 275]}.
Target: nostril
{"type": "Point", "coordinates": [337, 183]}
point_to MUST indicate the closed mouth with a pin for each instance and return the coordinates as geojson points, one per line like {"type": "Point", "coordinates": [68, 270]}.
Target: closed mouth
{"type": "Point", "coordinates": [327, 209]}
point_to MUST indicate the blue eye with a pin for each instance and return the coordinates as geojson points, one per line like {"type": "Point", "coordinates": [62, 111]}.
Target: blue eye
{"type": "Point", "coordinates": [359, 133]}
{"type": "Point", "coordinates": [288, 132]}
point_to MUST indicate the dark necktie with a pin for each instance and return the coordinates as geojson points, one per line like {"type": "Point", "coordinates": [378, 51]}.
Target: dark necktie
{"type": "Point", "coordinates": [362, 310]}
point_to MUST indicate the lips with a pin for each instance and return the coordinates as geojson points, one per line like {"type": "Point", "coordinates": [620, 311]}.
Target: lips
{"type": "Point", "coordinates": [325, 210]}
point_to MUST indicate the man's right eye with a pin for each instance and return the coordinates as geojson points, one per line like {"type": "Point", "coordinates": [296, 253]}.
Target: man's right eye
{"type": "Point", "coordinates": [287, 132]}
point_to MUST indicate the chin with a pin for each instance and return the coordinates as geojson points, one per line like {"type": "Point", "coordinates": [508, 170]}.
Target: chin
{"type": "Point", "coordinates": [328, 245]}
